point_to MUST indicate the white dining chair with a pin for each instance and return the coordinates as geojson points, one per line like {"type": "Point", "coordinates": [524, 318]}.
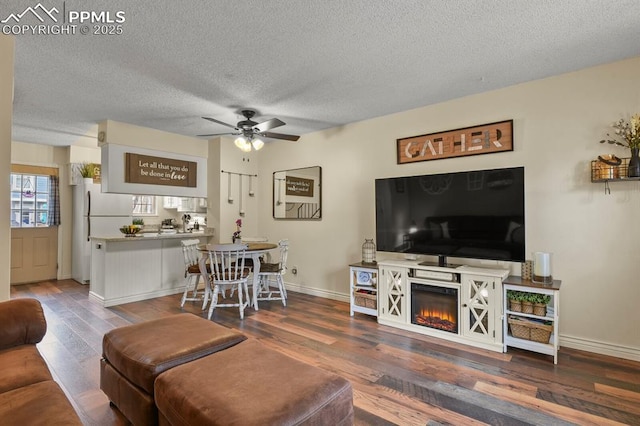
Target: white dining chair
{"type": "Point", "coordinates": [192, 275]}
{"type": "Point", "coordinates": [270, 278]}
{"type": "Point", "coordinates": [227, 271]}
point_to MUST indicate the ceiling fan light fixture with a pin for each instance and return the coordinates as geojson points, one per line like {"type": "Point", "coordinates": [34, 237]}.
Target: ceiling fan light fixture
{"type": "Point", "coordinates": [246, 147]}
{"type": "Point", "coordinates": [249, 129]}
{"type": "Point", "coordinates": [240, 142]}
{"type": "Point", "coordinates": [257, 144]}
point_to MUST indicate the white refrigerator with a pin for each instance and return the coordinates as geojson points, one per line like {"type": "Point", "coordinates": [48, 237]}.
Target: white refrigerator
{"type": "Point", "coordinates": [95, 214]}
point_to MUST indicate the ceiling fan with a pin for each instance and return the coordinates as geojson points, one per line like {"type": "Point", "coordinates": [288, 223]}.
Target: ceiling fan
{"type": "Point", "coordinates": [249, 131]}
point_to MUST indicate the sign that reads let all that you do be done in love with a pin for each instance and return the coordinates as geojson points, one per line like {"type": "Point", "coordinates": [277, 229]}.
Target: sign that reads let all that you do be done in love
{"type": "Point", "coordinates": [159, 171]}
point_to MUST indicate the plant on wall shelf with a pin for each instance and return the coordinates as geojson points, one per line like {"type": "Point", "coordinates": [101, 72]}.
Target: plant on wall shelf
{"type": "Point", "coordinates": [626, 133]}
{"type": "Point", "coordinates": [87, 170]}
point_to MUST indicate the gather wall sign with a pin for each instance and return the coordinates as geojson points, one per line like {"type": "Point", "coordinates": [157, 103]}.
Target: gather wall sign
{"type": "Point", "coordinates": [151, 170]}
{"type": "Point", "coordinates": [482, 139]}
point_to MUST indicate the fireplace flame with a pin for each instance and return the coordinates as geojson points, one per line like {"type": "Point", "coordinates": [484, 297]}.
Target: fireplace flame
{"type": "Point", "coordinates": [437, 313]}
{"type": "Point", "coordinates": [438, 319]}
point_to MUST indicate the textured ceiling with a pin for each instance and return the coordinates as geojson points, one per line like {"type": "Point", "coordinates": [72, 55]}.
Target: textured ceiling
{"type": "Point", "coordinates": [314, 65]}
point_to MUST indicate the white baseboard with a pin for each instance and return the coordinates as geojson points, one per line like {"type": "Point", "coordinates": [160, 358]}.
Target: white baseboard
{"type": "Point", "coordinates": [602, 348]}
{"type": "Point", "coordinates": [318, 292]}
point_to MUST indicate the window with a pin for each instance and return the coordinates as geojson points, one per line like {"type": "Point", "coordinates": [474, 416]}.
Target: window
{"type": "Point", "coordinates": [29, 200]}
{"type": "Point", "coordinates": [144, 205]}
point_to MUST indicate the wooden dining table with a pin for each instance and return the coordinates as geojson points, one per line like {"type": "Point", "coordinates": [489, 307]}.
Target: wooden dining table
{"type": "Point", "coordinates": [253, 252]}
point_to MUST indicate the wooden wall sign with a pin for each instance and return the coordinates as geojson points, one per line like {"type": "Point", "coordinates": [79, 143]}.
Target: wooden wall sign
{"type": "Point", "coordinates": [159, 171]}
{"type": "Point", "coordinates": [298, 186]}
{"type": "Point", "coordinates": [483, 139]}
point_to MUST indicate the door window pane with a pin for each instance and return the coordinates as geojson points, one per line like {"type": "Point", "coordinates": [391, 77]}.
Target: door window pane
{"type": "Point", "coordinates": [29, 200]}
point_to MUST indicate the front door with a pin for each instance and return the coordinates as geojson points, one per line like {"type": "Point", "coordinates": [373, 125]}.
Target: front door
{"type": "Point", "coordinates": [34, 254]}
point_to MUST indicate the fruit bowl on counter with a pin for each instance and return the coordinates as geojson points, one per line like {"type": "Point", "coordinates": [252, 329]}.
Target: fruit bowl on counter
{"type": "Point", "coordinates": [130, 230]}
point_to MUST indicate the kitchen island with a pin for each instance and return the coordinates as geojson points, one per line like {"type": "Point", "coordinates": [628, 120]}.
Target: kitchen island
{"type": "Point", "coordinates": [129, 269]}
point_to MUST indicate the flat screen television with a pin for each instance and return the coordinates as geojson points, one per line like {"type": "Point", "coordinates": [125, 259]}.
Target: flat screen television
{"type": "Point", "coordinates": [472, 214]}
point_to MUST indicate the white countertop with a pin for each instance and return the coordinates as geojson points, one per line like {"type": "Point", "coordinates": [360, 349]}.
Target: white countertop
{"type": "Point", "coordinates": [154, 236]}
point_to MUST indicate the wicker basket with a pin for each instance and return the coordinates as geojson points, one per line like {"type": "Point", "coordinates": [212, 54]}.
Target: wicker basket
{"type": "Point", "coordinates": [515, 305]}
{"type": "Point", "coordinates": [365, 300]}
{"type": "Point", "coordinates": [527, 307]}
{"type": "Point", "coordinates": [529, 330]}
{"type": "Point", "coordinates": [540, 309]}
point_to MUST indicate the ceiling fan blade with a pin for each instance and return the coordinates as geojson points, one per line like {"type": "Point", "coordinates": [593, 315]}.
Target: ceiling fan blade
{"type": "Point", "coordinates": [218, 134]}
{"type": "Point", "coordinates": [280, 136]}
{"type": "Point", "coordinates": [219, 122]}
{"type": "Point", "coordinates": [269, 124]}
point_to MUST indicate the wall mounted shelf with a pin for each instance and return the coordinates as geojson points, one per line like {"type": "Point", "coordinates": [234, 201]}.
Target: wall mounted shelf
{"type": "Point", "coordinates": [602, 172]}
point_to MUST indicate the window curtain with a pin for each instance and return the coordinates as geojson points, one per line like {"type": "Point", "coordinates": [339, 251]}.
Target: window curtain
{"type": "Point", "coordinates": [54, 201]}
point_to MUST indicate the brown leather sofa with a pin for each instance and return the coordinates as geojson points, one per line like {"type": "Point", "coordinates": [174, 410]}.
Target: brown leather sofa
{"type": "Point", "coordinates": [28, 393]}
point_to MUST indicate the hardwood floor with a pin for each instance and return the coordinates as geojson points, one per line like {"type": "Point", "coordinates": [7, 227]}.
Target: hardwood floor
{"type": "Point", "coordinates": [398, 377]}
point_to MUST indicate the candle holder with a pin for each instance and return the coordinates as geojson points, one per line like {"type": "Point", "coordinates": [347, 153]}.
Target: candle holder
{"type": "Point", "coordinates": [541, 268]}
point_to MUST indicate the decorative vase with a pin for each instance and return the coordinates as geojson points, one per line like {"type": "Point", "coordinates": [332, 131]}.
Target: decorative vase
{"type": "Point", "coordinates": [634, 164]}
{"type": "Point", "coordinates": [369, 252]}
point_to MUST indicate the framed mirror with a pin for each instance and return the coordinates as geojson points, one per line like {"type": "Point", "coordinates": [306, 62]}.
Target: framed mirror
{"type": "Point", "coordinates": [297, 194]}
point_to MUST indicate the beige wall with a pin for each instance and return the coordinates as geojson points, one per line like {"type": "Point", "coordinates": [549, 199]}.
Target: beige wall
{"type": "Point", "coordinates": [7, 48]}
{"type": "Point", "coordinates": [557, 125]}
{"type": "Point", "coordinates": [222, 215]}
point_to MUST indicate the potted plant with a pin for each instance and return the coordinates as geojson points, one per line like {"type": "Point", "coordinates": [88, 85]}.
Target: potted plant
{"type": "Point", "coordinates": [540, 302]}
{"type": "Point", "coordinates": [515, 300]}
{"type": "Point", "coordinates": [627, 134]}
{"type": "Point", "coordinates": [138, 221]}
{"type": "Point", "coordinates": [87, 170]}
{"type": "Point", "coordinates": [236, 237]}
{"type": "Point", "coordinates": [527, 302]}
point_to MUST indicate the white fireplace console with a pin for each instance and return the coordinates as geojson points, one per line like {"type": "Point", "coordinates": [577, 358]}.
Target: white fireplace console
{"type": "Point", "coordinates": [475, 294]}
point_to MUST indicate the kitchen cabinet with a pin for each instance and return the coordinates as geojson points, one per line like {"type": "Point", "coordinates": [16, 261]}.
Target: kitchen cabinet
{"type": "Point", "coordinates": [185, 204]}
{"type": "Point", "coordinates": [129, 269]}
{"type": "Point", "coordinates": [170, 202]}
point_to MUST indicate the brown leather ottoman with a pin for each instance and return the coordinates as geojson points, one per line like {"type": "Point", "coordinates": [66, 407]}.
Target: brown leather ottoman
{"type": "Point", "coordinates": [250, 384]}
{"type": "Point", "coordinates": [133, 356]}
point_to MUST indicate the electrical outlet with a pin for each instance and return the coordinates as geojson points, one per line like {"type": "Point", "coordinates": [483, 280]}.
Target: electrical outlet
{"type": "Point", "coordinates": [294, 270]}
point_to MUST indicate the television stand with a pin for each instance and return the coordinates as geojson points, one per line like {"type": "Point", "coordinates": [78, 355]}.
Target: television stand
{"type": "Point", "coordinates": [442, 262]}
{"type": "Point", "coordinates": [406, 289]}
{"type": "Point", "coordinates": [438, 264]}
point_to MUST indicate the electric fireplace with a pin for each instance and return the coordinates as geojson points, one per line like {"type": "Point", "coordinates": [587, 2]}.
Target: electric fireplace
{"type": "Point", "coordinates": [435, 307]}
